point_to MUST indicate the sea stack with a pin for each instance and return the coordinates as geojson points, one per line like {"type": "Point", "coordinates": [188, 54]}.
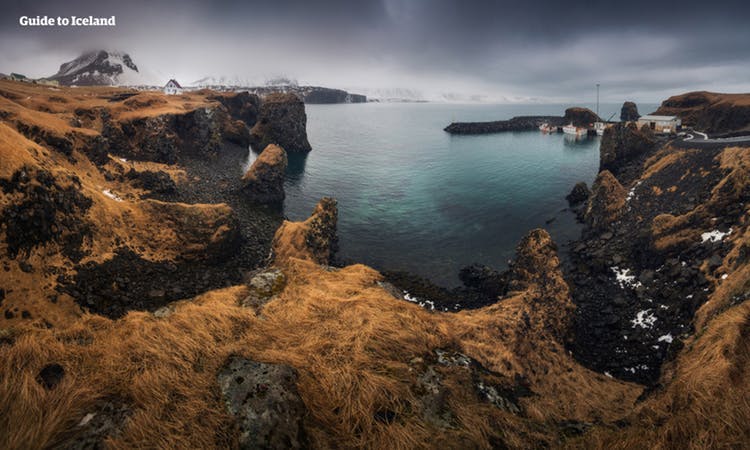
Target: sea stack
{"type": "Point", "coordinates": [264, 180]}
{"type": "Point", "coordinates": [282, 121]}
{"type": "Point", "coordinates": [629, 112]}
{"type": "Point", "coordinates": [580, 117]}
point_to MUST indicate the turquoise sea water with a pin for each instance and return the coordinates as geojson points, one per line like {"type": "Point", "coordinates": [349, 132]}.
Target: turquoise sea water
{"type": "Point", "coordinates": [412, 197]}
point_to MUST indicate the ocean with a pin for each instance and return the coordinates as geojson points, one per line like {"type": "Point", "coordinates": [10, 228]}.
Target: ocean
{"type": "Point", "coordinates": [412, 197]}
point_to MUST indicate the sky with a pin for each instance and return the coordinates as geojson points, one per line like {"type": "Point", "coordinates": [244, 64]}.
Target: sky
{"type": "Point", "coordinates": [505, 51]}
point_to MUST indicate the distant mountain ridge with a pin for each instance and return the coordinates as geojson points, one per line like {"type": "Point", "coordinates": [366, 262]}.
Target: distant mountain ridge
{"type": "Point", "coordinates": [100, 68]}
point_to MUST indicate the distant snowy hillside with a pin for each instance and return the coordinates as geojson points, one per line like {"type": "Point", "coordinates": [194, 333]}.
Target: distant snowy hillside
{"type": "Point", "coordinates": [101, 68]}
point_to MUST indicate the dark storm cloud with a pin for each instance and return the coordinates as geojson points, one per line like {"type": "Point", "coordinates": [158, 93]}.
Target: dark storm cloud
{"type": "Point", "coordinates": [518, 49]}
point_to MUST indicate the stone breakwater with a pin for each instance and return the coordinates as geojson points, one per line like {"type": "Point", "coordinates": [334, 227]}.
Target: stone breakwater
{"type": "Point", "coordinates": [580, 117]}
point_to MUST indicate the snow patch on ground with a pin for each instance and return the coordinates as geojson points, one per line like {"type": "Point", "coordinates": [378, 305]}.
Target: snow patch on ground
{"type": "Point", "coordinates": [644, 319]}
{"type": "Point", "coordinates": [624, 278]}
{"type": "Point", "coordinates": [112, 195]}
{"type": "Point", "coordinates": [715, 236]}
{"type": "Point", "coordinates": [666, 338]}
{"type": "Point", "coordinates": [426, 304]}
{"type": "Point", "coordinates": [631, 192]}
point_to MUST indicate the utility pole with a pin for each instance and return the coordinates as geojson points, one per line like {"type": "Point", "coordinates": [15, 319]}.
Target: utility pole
{"type": "Point", "coordinates": [597, 99]}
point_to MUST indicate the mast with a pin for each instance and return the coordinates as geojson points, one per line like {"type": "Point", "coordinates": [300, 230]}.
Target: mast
{"type": "Point", "coordinates": [597, 99]}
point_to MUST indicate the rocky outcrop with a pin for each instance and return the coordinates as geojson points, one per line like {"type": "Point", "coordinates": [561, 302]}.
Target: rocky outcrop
{"type": "Point", "coordinates": [579, 194]}
{"type": "Point", "coordinates": [264, 180]}
{"type": "Point", "coordinates": [282, 121]}
{"type": "Point", "coordinates": [580, 117]}
{"type": "Point", "coordinates": [42, 209]}
{"type": "Point", "coordinates": [264, 400]}
{"type": "Point", "coordinates": [710, 112]}
{"type": "Point", "coordinates": [629, 112]}
{"type": "Point", "coordinates": [242, 106]}
{"type": "Point", "coordinates": [521, 123]}
{"type": "Point", "coordinates": [606, 201]}
{"type": "Point", "coordinates": [484, 279]}
{"type": "Point", "coordinates": [621, 143]}
{"type": "Point", "coordinates": [314, 239]}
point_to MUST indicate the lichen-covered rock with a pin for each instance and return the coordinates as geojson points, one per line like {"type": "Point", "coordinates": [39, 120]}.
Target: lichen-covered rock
{"type": "Point", "coordinates": [606, 201]}
{"type": "Point", "coordinates": [579, 194]}
{"type": "Point", "coordinates": [265, 402]}
{"type": "Point", "coordinates": [314, 239]}
{"type": "Point", "coordinates": [263, 286]}
{"type": "Point", "coordinates": [264, 180]}
{"type": "Point", "coordinates": [622, 143]}
{"type": "Point", "coordinates": [629, 112]}
{"type": "Point", "coordinates": [282, 121]}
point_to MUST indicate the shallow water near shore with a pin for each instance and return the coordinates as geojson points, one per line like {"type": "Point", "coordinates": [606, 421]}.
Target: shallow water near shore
{"type": "Point", "coordinates": [414, 198]}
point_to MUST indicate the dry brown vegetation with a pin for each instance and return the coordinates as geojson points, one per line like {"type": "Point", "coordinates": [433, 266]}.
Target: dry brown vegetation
{"type": "Point", "coordinates": [352, 342]}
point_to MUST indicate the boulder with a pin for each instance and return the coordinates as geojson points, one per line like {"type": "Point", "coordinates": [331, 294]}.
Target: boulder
{"type": "Point", "coordinates": [264, 400]}
{"type": "Point", "coordinates": [622, 143]}
{"type": "Point", "coordinates": [629, 112]}
{"type": "Point", "coordinates": [581, 117]}
{"type": "Point", "coordinates": [263, 286]}
{"type": "Point", "coordinates": [579, 194]}
{"type": "Point", "coordinates": [606, 201]}
{"type": "Point", "coordinates": [484, 279]}
{"type": "Point", "coordinates": [282, 121]}
{"type": "Point", "coordinates": [264, 180]}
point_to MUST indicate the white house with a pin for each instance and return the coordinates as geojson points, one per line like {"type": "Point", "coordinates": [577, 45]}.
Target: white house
{"type": "Point", "coordinates": [172, 87]}
{"type": "Point", "coordinates": [661, 124]}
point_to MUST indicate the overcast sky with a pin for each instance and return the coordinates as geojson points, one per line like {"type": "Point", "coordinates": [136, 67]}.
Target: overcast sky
{"type": "Point", "coordinates": [519, 50]}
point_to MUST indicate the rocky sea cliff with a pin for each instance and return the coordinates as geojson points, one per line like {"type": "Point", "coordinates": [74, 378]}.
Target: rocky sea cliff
{"type": "Point", "coordinates": [153, 296]}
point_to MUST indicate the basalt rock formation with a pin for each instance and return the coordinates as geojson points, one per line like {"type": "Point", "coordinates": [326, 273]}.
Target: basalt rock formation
{"type": "Point", "coordinates": [621, 144]}
{"type": "Point", "coordinates": [314, 239]}
{"type": "Point", "coordinates": [713, 113]}
{"type": "Point", "coordinates": [579, 194]}
{"type": "Point", "coordinates": [264, 180]}
{"type": "Point", "coordinates": [629, 112]}
{"type": "Point", "coordinates": [281, 121]}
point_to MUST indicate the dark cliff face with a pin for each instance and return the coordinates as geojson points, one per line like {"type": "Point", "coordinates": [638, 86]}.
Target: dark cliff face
{"type": "Point", "coordinates": [711, 112]}
{"type": "Point", "coordinates": [629, 112]}
{"type": "Point", "coordinates": [621, 144]}
{"type": "Point", "coordinates": [282, 121]}
{"type": "Point", "coordinates": [647, 259]}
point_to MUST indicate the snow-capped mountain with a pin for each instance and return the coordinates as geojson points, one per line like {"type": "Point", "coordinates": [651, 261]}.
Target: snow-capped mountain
{"type": "Point", "coordinates": [101, 68]}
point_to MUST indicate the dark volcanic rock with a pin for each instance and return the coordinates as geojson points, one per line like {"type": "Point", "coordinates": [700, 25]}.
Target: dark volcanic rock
{"type": "Point", "coordinates": [622, 143]}
{"type": "Point", "coordinates": [264, 180]}
{"type": "Point", "coordinates": [158, 182]}
{"type": "Point", "coordinates": [581, 117]}
{"type": "Point", "coordinates": [484, 279]}
{"type": "Point", "coordinates": [242, 106]}
{"type": "Point", "coordinates": [579, 194]}
{"type": "Point", "coordinates": [606, 201]}
{"type": "Point", "coordinates": [282, 121]}
{"type": "Point", "coordinates": [521, 123]}
{"type": "Point", "coordinates": [50, 376]}
{"type": "Point", "coordinates": [44, 209]}
{"type": "Point", "coordinates": [265, 402]}
{"type": "Point", "coordinates": [629, 112]}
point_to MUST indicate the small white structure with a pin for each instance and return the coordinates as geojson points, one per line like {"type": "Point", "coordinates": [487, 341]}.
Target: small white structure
{"type": "Point", "coordinates": [661, 124]}
{"type": "Point", "coordinates": [172, 87]}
